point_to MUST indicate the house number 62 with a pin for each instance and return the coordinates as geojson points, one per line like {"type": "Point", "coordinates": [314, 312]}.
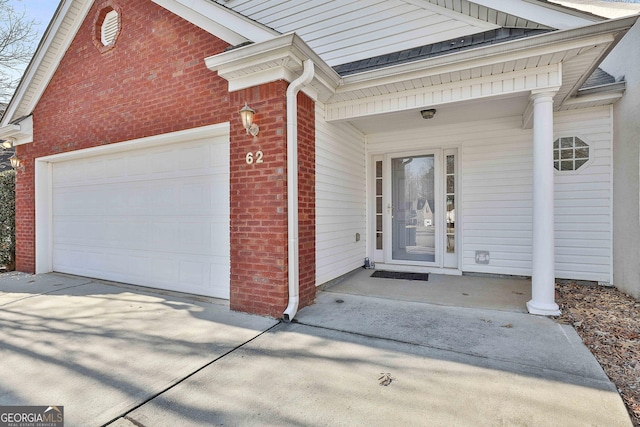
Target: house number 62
{"type": "Point", "coordinates": [257, 158]}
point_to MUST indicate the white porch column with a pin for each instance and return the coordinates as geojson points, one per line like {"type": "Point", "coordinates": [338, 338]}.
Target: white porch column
{"type": "Point", "coordinates": [543, 268]}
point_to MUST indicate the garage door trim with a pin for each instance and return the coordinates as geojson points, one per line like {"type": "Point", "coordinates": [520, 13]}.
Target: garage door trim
{"type": "Point", "coordinates": [44, 179]}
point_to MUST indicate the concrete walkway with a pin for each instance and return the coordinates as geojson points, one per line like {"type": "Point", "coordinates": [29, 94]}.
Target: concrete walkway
{"type": "Point", "coordinates": [155, 359]}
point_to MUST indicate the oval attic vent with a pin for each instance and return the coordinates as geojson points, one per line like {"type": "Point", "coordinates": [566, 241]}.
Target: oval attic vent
{"type": "Point", "coordinates": [110, 27]}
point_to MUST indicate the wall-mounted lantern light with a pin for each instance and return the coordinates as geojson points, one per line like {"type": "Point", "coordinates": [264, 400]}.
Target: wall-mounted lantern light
{"type": "Point", "coordinates": [6, 144]}
{"type": "Point", "coordinates": [16, 163]}
{"type": "Point", "coordinates": [428, 114]}
{"type": "Point", "coordinates": [247, 113]}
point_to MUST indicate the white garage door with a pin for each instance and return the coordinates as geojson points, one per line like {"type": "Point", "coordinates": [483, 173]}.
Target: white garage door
{"type": "Point", "coordinates": [155, 217]}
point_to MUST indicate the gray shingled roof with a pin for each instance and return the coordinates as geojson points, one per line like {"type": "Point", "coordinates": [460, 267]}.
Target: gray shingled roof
{"type": "Point", "coordinates": [436, 49]}
{"type": "Point", "coordinates": [598, 78]}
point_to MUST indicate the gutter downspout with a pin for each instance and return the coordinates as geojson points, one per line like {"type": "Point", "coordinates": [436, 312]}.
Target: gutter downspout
{"type": "Point", "coordinates": [292, 187]}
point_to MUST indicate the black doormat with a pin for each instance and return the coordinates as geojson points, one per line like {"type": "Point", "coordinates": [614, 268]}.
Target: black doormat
{"type": "Point", "coordinates": [400, 275]}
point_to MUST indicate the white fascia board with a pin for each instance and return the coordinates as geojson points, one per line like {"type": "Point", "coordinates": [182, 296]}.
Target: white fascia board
{"type": "Point", "coordinates": [8, 131]}
{"type": "Point", "coordinates": [219, 21]}
{"type": "Point", "coordinates": [602, 98]}
{"type": "Point", "coordinates": [18, 134]}
{"type": "Point", "coordinates": [617, 87]}
{"type": "Point", "coordinates": [279, 58]}
{"type": "Point", "coordinates": [37, 60]}
{"type": "Point", "coordinates": [557, 41]}
{"type": "Point", "coordinates": [551, 15]}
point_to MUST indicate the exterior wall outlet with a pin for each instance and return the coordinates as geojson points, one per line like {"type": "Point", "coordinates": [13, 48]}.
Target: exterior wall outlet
{"type": "Point", "coordinates": [482, 257]}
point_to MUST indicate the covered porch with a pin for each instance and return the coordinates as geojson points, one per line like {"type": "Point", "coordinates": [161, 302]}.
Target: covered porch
{"type": "Point", "coordinates": [492, 292]}
{"type": "Point", "coordinates": [445, 164]}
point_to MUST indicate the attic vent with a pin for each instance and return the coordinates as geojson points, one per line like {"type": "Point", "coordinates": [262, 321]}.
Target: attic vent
{"type": "Point", "coordinates": [109, 29]}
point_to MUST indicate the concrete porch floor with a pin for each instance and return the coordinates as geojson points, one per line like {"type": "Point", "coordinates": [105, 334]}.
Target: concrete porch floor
{"type": "Point", "coordinates": [495, 293]}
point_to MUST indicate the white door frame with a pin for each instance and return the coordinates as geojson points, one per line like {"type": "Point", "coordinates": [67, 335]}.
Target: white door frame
{"type": "Point", "coordinates": [382, 258]}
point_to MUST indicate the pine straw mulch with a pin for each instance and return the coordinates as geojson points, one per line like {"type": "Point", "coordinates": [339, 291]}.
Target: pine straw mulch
{"type": "Point", "coordinates": [608, 321]}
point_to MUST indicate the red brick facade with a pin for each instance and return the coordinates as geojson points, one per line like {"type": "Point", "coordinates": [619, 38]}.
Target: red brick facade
{"type": "Point", "coordinates": [154, 81]}
{"type": "Point", "coordinates": [307, 198]}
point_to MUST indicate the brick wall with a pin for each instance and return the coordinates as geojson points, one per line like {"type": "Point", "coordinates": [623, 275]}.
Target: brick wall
{"type": "Point", "coordinates": [259, 206]}
{"type": "Point", "coordinates": [154, 81]}
{"type": "Point", "coordinates": [307, 198]}
{"type": "Point", "coordinates": [259, 237]}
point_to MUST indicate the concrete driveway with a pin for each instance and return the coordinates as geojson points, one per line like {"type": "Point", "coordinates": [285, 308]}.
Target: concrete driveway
{"type": "Point", "coordinates": [131, 357]}
{"type": "Point", "coordinates": [101, 350]}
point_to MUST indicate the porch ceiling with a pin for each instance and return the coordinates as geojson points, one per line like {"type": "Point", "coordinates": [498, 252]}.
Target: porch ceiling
{"type": "Point", "coordinates": [446, 114]}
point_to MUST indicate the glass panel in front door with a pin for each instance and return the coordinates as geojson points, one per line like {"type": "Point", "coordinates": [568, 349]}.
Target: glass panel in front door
{"type": "Point", "coordinates": [413, 208]}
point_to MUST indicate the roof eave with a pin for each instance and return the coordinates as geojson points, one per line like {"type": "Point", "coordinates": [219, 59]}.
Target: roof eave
{"type": "Point", "coordinates": [617, 87]}
{"type": "Point", "coordinates": [278, 58]}
{"type": "Point", "coordinates": [43, 45]}
{"type": "Point", "coordinates": [602, 32]}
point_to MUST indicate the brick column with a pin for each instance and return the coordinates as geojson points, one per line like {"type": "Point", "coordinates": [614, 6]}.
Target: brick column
{"type": "Point", "coordinates": [258, 197]}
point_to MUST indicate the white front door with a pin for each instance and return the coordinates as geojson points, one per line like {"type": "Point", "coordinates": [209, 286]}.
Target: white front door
{"type": "Point", "coordinates": [414, 209]}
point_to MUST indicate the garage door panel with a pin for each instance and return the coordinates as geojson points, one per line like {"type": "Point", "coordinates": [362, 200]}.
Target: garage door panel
{"type": "Point", "coordinates": [193, 158]}
{"type": "Point", "coordinates": [155, 217]}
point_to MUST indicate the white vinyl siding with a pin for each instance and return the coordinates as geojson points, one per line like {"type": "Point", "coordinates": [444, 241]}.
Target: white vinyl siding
{"type": "Point", "coordinates": [496, 192]}
{"type": "Point", "coordinates": [497, 199]}
{"type": "Point", "coordinates": [340, 199]}
{"type": "Point", "coordinates": [583, 199]}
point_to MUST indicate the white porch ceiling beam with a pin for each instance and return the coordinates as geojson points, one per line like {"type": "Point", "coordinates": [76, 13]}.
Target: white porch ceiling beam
{"type": "Point", "coordinates": [474, 88]}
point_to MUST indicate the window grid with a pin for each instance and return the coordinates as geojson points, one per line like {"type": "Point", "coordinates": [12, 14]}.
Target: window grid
{"type": "Point", "coordinates": [450, 197]}
{"type": "Point", "coordinates": [570, 153]}
{"type": "Point", "coordinates": [379, 204]}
